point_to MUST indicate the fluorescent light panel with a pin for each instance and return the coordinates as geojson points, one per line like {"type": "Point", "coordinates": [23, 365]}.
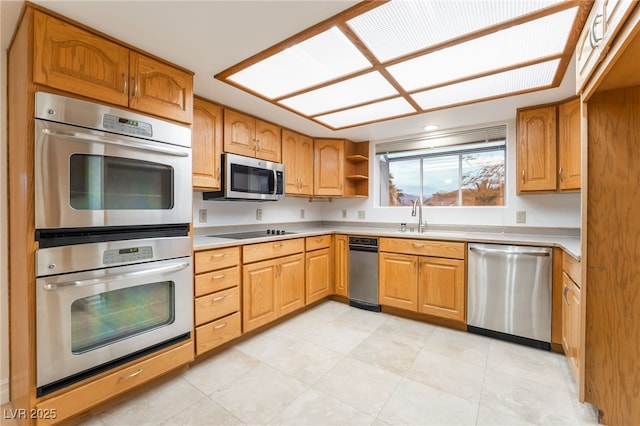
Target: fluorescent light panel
{"type": "Point", "coordinates": [398, 28]}
{"type": "Point", "coordinates": [324, 57]}
{"type": "Point", "coordinates": [371, 112]}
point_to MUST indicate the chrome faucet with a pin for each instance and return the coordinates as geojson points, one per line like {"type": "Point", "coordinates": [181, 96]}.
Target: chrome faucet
{"type": "Point", "coordinates": [421, 226]}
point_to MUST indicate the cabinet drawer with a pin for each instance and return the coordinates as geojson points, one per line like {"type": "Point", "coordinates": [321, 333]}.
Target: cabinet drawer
{"type": "Point", "coordinates": [217, 305]}
{"type": "Point", "coordinates": [95, 392]}
{"type": "Point", "coordinates": [262, 251]}
{"type": "Point", "coordinates": [319, 242]}
{"type": "Point", "coordinates": [571, 266]}
{"type": "Point", "coordinates": [423, 247]}
{"type": "Point", "coordinates": [214, 334]}
{"type": "Point", "coordinates": [211, 260]}
{"type": "Point", "coordinates": [217, 280]}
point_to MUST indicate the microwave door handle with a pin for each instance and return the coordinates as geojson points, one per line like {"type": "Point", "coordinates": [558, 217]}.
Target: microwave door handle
{"type": "Point", "coordinates": [275, 182]}
{"type": "Point", "coordinates": [126, 275]}
{"type": "Point", "coordinates": [86, 137]}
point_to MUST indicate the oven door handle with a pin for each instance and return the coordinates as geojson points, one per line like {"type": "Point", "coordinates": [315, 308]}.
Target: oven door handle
{"type": "Point", "coordinates": [126, 275]}
{"type": "Point", "coordinates": [90, 138]}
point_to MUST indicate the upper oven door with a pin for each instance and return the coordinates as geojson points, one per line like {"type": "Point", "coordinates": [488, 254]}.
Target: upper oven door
{"type": "Point", "coordinates": [91, 178]}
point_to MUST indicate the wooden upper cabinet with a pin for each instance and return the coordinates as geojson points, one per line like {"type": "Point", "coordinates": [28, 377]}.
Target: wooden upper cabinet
{"type": "Point", "coordinates": [297, 157]}
{"type": "Point", "coordinates": [160, 89]}
{"type": "Point", "coordinates": [569, 149]}
{"type": "Point", "coordinates": [77, 61]}
{"type": "Point", "coordinates": [328, 174]}
{"type": "Point", "coordinates": [536, 149]}
{"type": "Point", "coordinates": [248, 136]}
{"type": "Point", "coordinates": [206, 144]}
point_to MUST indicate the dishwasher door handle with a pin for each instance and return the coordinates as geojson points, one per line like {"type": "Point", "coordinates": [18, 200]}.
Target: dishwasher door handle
{"type": "Point", "coordinates": [369, 249]}
{"type": "Point", "coordinates": [517, 253]}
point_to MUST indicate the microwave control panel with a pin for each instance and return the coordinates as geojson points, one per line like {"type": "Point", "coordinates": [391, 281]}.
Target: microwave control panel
{"type": "Point", "coordinates": [130, 254]}
{"type": "Point", "coordinates": [125, 126]}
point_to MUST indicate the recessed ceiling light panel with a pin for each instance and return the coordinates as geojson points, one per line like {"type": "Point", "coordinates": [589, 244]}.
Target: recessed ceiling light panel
{"type": "Point", "coordinates": [398, 28]}
{"type": "Point", "coordinates": [504, 83]}
{"type": "Point", "coordinates": [367, 113]}
{"type": "Point", "coordinates": [321, 58]}
{"type": "Point", "coordinates": [358, 90]}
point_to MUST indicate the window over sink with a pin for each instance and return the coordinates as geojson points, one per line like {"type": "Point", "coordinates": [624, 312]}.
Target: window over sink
{"type": "Point", "coordinates": [457, 169]}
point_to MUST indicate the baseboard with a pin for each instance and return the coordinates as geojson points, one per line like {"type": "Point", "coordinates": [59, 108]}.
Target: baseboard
{"type": "Point", "coordinates": [4, 391]}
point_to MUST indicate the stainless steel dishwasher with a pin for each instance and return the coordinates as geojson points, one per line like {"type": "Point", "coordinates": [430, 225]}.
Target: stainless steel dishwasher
{"type": "Point", "coordinates": [509, 293]}
{"type": "Point", "coordinates": [363, 273]}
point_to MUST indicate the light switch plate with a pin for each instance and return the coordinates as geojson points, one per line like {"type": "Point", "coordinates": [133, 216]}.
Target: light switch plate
{"type": "Point", "coordinates": [202, 215]}
{"type": "Point", "coordinates": [344, 213]}
{"type": "Point", "coordinates": [301, 213]}
{"type": "Point", "coordinates": [521, 216]}
{"type": "Point", "coordinates": [361, 214]}
{"type": "Point", "coordinates": [258, 214]}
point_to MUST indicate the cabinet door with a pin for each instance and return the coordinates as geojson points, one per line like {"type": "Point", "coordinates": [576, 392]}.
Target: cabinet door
{"type": "Point", "coordinates": [239, 133]}
{"type": "Point", "coordinates": [398, 280]}
{"type": "Point", "coordinates": [206, 144]}
{"type": "Point", "coordinates": [319, 275]}
{"type": "Point", "coordinates": [569, 169]}
{"type": "Point", "coordinates": [305, 165]}
{"type": "Point", "coordinates": [571, 323]}
{"type": "Point", "coordinates": [290, 279]}
{"type": "Point", "coordinates": [328, 167]}
{"type": "Point", "coordinates": [74, 60]}
{"type": "Point", "coordinates": [160, 89]}
{"type": "Point", "coordinates": [258, 294]}
{"type": "Point", "coordinates": [341, 262]}
{"type": "Point", "coordinates": [536, 149]}
{"type": "Point", "coordinates": [441, 288]}
{"type": "Point", "coordinates": [268, 141]}
{"type": "Point", "coordinates": [291, 161]}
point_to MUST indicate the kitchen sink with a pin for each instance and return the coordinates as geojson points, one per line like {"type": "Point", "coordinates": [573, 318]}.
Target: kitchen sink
{"type": "Point", "coordinates": [252, 234]}
{"type": "Point", "coordinates": [434, 233]}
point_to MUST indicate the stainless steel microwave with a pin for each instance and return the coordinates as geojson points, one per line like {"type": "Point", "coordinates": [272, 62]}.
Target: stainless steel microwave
{"type": "Point", "coordinates": [249, 179]}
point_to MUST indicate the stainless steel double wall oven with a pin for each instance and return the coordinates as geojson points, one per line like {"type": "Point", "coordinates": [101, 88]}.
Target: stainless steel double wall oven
{"type": "Point", "coordinates": [113, 206]}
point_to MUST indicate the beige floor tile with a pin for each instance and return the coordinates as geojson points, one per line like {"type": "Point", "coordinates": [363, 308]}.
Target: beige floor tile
{"type": "Point", "coordinates": [414, 403]}
{"type": "Point", "coordinates": [316, 408]}
{"type": "Point", "coordinates": [490, 417]}
{"type": "Point", "coordinates": [204, 412]}
{"type": "Point", "coordinates": [266, 344]}
{"type": "Point", "coordinates": [360, 385]}
{"type": "Point", "coordinates": [215, 372]}
{"type": "Point", "coordinates": [362, 320]}
{"type": "Point", "coordinates": [259, 395]}
{"type": "Point", "coordinates": [403, 327]}
{"type": "Point", "coordinates": [305, 361]}
{"type": "Point", "coordinates": [335, 336]}
{"type": "Point", "coordinates": [533, 364]}
{"type": "Point", "coordinates": [448, 374]}
{"type": "Point", "coordinates": [527, 400]}
{"type": "Point", "coordinates": [153, 406]}
{"type": "Point", "coordinates": [461, 345]}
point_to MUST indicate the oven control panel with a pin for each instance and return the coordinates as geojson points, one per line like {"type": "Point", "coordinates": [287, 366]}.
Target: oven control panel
{"type": "Point", "coordinates": [124, 125]}
{"type": "Point", "coordinates": [130, 254]}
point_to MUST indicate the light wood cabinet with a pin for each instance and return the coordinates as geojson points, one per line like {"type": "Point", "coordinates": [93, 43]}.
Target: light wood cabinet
{"type": "Point", "coordinates": [423, 276]}
{"type": "Point", "coordinates": [341, 265]}
{"type": "Point", "coordinates": [536, 149]}
{"type": "Point", "coordinates": [217, 297]}
{"type": "Point", "coordinates": [271, 288]}
{"type": "Point", "coordinates": [441, 288]}
{"type": "Point", "coordinates": [569, 148]}
{"type": "Point", "coordinates": [571, 323]}
{"type": "Point", "coordinates": [319, 272]}
{"type": "Point", "coordinates": [297, 157]}
{"type": "Point", "coordinates": [206, 144]}
{"type": "Point", "coordinates": [78, 61]}
{"type": "Point", "coordinates": [251, 137]}
{"type": "Point", "coordinates": [328, 173]}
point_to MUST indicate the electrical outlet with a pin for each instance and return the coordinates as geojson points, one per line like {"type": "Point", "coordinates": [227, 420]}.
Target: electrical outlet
{"type": "Point", "coordinates": [202, 215]}
{"type": "Point", "coordinates": [301, 213]}
{"type": "Point", "coordinates": [361, 214]}
{"type": "Point", "coordinates": [258, 214]}
{"type": "Point", "coordinates": [521, 216]}
{"type": "Point", "coordinates": [344, 213]}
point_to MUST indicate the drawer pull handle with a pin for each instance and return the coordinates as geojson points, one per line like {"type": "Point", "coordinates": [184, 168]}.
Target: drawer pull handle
{"type": "Point", "coordinates": [217, 299]}
{"type": "Point", "coordinates": [219, 255]}
{"type": "Point", "coordinates": [278, 245]}
{"type": "Point", "coordinates": [218, 327]}
{"type": "Point", "coordinates": [130, 376]}
{"type": "Point", "coordinates": [218, 277]}
{"type": "Point", "coordinates": [418, 245]}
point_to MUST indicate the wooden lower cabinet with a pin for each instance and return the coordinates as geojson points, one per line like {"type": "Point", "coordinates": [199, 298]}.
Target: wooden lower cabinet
{"type": "Point", "coordinates": [341, 265]}
{"type": "Point", "coordinates": [217, 332]}
{"type": "Point", "coordinates": [398, 281]}
{"type": "Point", "coordinates": [319, 275]}
{"type": "Point", "coordinates": [571, 323]}
{"type": "Point", "coordinates": [441, 288]}
{"type": "Point", "coordinates": [271, 288]}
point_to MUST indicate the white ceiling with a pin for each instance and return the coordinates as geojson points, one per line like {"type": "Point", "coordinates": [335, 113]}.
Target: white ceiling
{"type": "Point", "coordinates": [210, 36]}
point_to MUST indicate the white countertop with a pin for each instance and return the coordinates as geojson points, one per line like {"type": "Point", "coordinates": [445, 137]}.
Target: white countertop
{"type": "Point", "coordinates": [571, 244]}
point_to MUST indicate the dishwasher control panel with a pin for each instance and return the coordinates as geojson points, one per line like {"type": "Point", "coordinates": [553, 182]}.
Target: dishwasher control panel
{"type": "Point", "coordinates": [363, 241]}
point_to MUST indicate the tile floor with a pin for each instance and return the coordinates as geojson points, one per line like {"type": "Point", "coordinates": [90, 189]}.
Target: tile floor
{"type": "Point", "coordinates": [338, 365]}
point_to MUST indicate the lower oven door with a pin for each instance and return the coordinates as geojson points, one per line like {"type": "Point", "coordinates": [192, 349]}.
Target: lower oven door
{"type": "Point", "coordinates": [90, 321]}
